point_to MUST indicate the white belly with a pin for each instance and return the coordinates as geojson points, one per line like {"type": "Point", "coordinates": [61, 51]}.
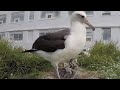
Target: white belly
{"type": "Point", "coordinates": [73, 46]}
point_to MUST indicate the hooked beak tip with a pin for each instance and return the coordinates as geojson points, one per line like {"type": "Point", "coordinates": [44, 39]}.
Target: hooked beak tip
{"type": "Point", "coordinates": [93, 28]}
{"type": "Point", "coordinates": [87, 23]}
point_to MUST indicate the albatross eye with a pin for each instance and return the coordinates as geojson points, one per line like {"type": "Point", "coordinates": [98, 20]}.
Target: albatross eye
{"type": "Point", "coordinates": [82, 16]}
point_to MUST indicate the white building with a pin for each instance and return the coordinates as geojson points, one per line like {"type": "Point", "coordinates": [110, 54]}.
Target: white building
{"type": "Point", "coordinates": [24, 27]}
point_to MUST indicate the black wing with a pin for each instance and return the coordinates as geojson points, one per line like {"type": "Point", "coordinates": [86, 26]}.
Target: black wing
{"type": "Point", "coordinates": [52, 41]}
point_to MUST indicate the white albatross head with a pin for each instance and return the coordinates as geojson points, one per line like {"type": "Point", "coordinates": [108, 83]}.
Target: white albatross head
{"type": "Point", "coordinates": [81, 17]}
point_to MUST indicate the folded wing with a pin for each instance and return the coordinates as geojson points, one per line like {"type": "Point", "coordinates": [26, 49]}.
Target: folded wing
{"type": "Point", "coordinates": [51, 41]}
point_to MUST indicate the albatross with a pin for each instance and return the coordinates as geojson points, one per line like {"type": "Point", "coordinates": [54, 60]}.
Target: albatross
{"type": "Point", "coordinates": [63, 45]}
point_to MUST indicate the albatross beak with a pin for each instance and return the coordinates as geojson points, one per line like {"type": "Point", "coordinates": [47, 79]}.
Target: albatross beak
{"type": "Point", "coordinates": [88, 23]}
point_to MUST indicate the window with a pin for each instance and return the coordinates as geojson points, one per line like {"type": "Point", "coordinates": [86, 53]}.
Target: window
{"type": "Point", "coordinates": [106, 33]}
{"type": "Point", "coordinates": [1, 22]}
{"type": "Point", "coordinates": [70, 12]}
{"type": "Point", "coordinates": [49, 14]}
{"type": "Point", "coordinates": [2, 35]}
{"type": "Point", "coordinates": [2, 18]}
{"type": "Point", "coordinates": [16, 20]}
{"type": "Point", "coordinates": [89, 12]}
{"type": "Point", "coordinates": [106, 13]}
{"type": "Point", "coordinates": [17, 36]}
{"type": "Point", "coordinates": [31, 15]}
{"type": "Point", "coordinates": [17, 16]}
{"type": "Point", "coordinates": [89, 35]}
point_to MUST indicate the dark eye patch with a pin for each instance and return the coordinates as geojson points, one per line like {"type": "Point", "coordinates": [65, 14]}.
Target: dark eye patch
{"type": "Point", "coordinates": [82, 16]}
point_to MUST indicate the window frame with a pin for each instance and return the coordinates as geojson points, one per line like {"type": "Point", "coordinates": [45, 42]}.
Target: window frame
{"type": "Point", "coordinates": [89, 14]}
{"type": "Point", "coordinates": [33, 15]}
{"type": "Point", "coordinates": [46, 15]}
{"type": "Point", "coordinates": [106, 13]}
{"type": "Point", "coordinates": [18, 18]}
{"type": "Point", "coordinates": [13, 33]}
{"type": "Point", "coordinates": [109, 28]}
{"type": "Point", "coordinates": [3, 20]}
{"type": "Point", "coordinates": [1, 35]}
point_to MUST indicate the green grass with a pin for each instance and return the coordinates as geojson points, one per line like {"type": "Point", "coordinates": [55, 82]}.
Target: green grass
{"type": "Point", "coordinates": [16, 65]}
{"type": "Point", "coordinates": [104, 58]}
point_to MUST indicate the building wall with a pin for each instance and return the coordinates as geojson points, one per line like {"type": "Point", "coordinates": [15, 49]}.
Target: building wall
{"type": "Point", "coordinates": [31, 29]}
{"type": "Point", "coordinates": [36, 26]}
{"type": "Point", "coordinates": [104, 21]}
{"type": "Point", "coordinates": [38, 23]}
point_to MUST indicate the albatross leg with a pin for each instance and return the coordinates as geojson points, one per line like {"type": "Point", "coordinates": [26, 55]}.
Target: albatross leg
{"type": "Point", "coordinates": [74, 67]}
{"type": "Point", "coordinates": [69, 71]}
{"type": "Point", "coordinates": [57, 70]}
{"type": "Point", "coordinates": [67, 67]}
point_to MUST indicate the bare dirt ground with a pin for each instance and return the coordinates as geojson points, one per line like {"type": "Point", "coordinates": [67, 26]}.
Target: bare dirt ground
{"type": "Point", "coordinates": [82, 74]}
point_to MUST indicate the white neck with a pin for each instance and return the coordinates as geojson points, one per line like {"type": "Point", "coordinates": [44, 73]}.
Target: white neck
{"type": "Point", "coordinates": [78, 28]}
